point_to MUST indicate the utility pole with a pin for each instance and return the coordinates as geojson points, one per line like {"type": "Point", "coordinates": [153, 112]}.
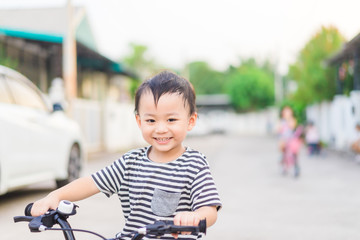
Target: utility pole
{"type": "Point", "coordinates": [69, 57]}
{"type": "Point", "coordinates": [278, 85]}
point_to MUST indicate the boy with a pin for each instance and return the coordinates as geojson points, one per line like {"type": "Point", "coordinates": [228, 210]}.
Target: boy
{"type": "Point", "coordinates": [164, 181]}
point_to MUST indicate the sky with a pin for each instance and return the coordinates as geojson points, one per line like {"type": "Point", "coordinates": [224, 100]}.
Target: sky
{"type": "Point", "coordinates": [218, 32]}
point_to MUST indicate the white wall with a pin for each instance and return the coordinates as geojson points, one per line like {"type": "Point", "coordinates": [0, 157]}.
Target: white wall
{"type": "Point", "coordinates": [336, 120]}
{"type": "Point", "coordinates": [107, 126]}
{"type": "Point", "coordinates": [88, 114]}
{"type": "Point", "coordinates": [121, 130]}
{"type": "Point", "coordinates": [255, 123]}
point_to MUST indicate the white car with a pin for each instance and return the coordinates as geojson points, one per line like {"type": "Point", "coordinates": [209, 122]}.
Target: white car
{"type": "Point", "coordinates": [36, 143]}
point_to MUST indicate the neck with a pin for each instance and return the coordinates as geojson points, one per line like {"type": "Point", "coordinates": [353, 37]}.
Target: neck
{"type": "Point", "coordinates": [165, 157]}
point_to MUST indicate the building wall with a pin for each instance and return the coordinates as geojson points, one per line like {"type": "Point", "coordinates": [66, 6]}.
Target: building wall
{"type": "Point", "coordinates": [336, 119]}
{"type": "Point", "coordinates": [107, 125]}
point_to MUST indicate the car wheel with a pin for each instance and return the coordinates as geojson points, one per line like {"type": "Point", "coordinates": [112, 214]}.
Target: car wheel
{"type": "Point", "coordinates": [74, 167]}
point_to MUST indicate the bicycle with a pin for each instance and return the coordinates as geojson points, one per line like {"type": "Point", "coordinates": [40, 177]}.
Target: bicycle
{"type": "Point", "coordinates": [66, 209]}
{"type": "Point", "coordinates": [290, 152]}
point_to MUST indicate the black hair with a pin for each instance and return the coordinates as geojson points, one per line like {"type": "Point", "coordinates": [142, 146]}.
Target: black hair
{"type": "Point", "coordinates": [167, 82]}
{"type": "Point", "coordinates": [286, 106]}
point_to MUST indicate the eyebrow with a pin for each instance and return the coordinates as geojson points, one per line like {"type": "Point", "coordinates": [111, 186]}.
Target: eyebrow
{"type": "Point", "coordinates": [168, 114]}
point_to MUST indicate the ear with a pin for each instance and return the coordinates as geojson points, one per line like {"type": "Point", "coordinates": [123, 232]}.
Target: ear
{"type": "Point", "coordinates": [138, 120]}
{"type": "Point", "coordinates": [192, 121]}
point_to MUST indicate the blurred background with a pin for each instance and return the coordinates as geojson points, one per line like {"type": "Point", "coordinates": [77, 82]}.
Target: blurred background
{"type": "Point", "coordinates": [246, 61]}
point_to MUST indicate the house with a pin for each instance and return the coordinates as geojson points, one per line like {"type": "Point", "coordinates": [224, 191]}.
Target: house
{"type": "Point", "coordinates": [47, 43]}
{"type": "Point", "coordinates": [347, 61]}
{"type": "Point", "coordinates": [336, 119]}
{"type": "Point", "coordinates": [35, 39]}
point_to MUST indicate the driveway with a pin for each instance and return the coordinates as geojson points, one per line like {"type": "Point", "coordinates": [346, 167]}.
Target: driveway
{"type": "Point", "coordinates": [258, 202]}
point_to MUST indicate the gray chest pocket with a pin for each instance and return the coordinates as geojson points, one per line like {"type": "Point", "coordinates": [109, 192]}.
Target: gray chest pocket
{"type": "Point", "coordinates": [164, 203]}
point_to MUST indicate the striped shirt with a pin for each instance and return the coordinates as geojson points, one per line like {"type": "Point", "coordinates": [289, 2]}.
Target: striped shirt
{"type": "Point", "coordinates": [151, 191]}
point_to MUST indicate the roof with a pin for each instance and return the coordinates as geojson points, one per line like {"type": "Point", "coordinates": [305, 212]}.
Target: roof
{"type": "Point", "coordinates": [45, 20]}
{"type": "Point", "coordinates": [40, 36]}
{"type": "Point", "coordinates": [347, 52]}
{"type": "Point", "coordinates": [49, 25]}
{"type": "Point", "coordinates": [94, 60]}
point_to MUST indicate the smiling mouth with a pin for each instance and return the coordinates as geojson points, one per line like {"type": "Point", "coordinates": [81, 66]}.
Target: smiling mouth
{"type": "Point", "coordinates": [163, 140]}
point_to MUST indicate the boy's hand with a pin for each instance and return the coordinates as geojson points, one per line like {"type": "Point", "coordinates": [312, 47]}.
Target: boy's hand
{"type": "Point", "coordinates": [77, 190]}
{"type": "Point", "coordinates": [186, 219]}
{"type": "Point", "coordinates": [41, 206]}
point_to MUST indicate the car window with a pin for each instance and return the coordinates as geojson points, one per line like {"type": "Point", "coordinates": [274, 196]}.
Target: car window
{"type": "Point", "coordinates": [4, 92]}
{"type": "Point", "coordinates": [25, 95]}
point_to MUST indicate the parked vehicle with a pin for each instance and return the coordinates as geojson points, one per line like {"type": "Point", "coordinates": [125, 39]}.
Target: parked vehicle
{"type": "Point", "coordinates": [37, 143]}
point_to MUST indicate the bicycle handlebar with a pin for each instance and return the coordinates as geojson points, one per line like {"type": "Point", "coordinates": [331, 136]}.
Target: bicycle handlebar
{"type": "Point", "coordinates": [169, 227]}
{"type": "Point", "coordinates": [66, 209]}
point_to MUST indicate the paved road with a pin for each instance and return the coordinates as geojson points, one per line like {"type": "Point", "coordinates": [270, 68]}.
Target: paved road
{"type": "Point", "coordinates": [259, 203]}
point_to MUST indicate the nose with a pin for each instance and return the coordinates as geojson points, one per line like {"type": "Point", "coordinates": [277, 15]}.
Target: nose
{"type": "Point", "coordinates": [161, 127]}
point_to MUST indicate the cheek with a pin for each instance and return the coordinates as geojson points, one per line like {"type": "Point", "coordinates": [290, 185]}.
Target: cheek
{"type": "Point", "coordinates": [145, 128]}
{"type": "Point", "coordinates": [183, 129]}
{"type": "Point", "coordinates": [146, 133]}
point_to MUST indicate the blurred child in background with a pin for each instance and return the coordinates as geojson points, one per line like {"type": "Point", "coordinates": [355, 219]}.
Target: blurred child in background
{"type": "Point", "coordinates": [312, 139]}
{"type": "Point", "coordinates": [355, 146]}
{"type": "Point", "coordinates": [290, 141]}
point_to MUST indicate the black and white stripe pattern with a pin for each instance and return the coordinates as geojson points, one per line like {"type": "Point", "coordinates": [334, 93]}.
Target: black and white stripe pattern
{"type": "Point", "coordinates": [186, 181]}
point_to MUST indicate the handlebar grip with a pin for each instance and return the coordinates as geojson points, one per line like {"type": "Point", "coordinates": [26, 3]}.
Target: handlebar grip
{"type": "Point", "coordinates": [28, 209]}
{"type": "Point", "coordinates": [194, 229]}
{"type": "Point", "coordinates": [202, 226]}
{"type": "Point", "coordinates": [191, 229]}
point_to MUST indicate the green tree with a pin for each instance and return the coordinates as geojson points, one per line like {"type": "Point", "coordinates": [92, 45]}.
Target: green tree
{"type": "Point", "coordinates": [204, 79]}
{"type": "Point", "coordinates": [250, 86]}
{"type": "Point", "coordinates": [314, 78]}
{"type": "Point", "coordinates": [139, 63]}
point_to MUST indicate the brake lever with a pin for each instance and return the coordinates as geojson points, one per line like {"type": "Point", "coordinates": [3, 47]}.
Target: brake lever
{"type": "Point", "coordinates": [23, 219]}
{"type": "Point", "coordinates": [36, 224]}
{"type": "Point", "coordinates": [40, 223]}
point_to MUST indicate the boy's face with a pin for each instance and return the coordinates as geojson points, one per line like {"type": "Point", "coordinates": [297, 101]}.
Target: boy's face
{"type": "Point", "coordinates": [164, 126]}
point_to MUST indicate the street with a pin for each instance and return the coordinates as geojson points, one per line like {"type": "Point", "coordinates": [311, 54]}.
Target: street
{"type": "Point", "coordinates": [258, 202]}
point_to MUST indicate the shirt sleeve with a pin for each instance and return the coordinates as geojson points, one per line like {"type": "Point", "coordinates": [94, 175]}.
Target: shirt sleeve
{"type": "Point", "coordinates": [203, 190]}
{"type": "Point", "coordinates": [110, 179]}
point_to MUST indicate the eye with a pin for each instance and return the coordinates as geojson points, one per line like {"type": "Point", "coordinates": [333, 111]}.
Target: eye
{"type": "Point", "coordinates": [150, 120]}
{"type": "Point", "coordinates": [172, 119]}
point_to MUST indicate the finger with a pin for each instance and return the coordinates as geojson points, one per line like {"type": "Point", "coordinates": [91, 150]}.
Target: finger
{"type": "Point", "coordinates": [177, 220]}
{"type": "Point", "coordinates": [196, 221]}
{"type": "Point", "coordinates": [185, 220]}
{"type": "Point", "coordinates": [35, 210]}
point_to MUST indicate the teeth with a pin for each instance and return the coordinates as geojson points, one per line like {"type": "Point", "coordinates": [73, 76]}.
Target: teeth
{"type": "Point", "coordinates": [162, 139]}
